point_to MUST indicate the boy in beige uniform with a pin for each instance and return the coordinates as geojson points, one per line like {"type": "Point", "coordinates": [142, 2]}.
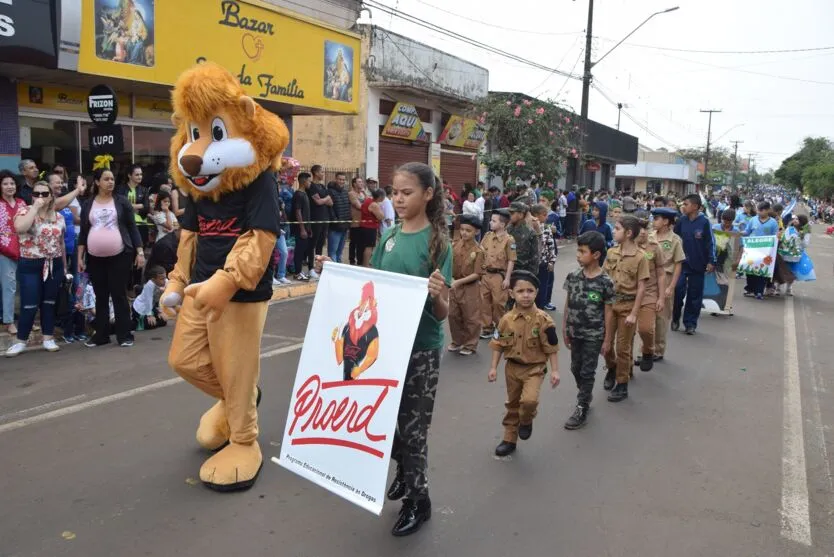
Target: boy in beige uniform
{"type": "Point", "coordinates": [526, 337]}
{"type": "Point", "coordinates": [628, 267]}
{"type": "Point", "coordinates": [653, 302]}
{"type": "Point", "coordinates": [671, 259]}
{"type": "Point", "coordinates": [465, 293]}
{"type": "Point", "coordinates": [499, 262]}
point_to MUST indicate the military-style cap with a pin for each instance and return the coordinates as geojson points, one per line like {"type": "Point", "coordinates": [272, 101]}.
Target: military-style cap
{"type": "Point", "coordinates": [667, 212]}
{"type": "Point", "coordinates": [503, 212]}
{"type": "Point", "coordinates": [518, 207]}
{"type": "Point", "coordinates": [471, 220]}
{"type": "Point", "coordinates": [526, 276]}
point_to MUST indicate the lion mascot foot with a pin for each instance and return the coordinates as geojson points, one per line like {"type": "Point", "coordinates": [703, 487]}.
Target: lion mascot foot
{"type": "Point", "coordinates": [213, 432]}
{"type": "Point", "coordinates": [234, 468]}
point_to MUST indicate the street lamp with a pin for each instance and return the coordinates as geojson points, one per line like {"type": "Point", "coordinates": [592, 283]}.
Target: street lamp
{"type": "Point", "coordinates": [587, 77]}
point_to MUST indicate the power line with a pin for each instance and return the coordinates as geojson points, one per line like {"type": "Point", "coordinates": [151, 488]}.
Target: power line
{"type": "Point", "coordinates": [433, 27]}
{"type": "Point", "coordinates": [546, 79]}
{"type": "Point", "coordinates": [642, 125]}
{"type": "Point", "coordinates": [670, 49]}
{"type": "Point", "coordinates": [495, 26]}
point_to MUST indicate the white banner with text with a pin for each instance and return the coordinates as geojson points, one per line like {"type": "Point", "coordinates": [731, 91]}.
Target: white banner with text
{"type": "Point", "coordinates": [343, 411]}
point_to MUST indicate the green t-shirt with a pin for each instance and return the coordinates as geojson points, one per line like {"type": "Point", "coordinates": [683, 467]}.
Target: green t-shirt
{"type": "Point", "coordinates": [408, 254]}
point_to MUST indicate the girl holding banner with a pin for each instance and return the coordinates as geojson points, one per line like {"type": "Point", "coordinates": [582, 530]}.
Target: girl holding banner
{"type": "Point", "coordinates": [418, 246]}
{"type": "Point", "coordinates": [759, 269]}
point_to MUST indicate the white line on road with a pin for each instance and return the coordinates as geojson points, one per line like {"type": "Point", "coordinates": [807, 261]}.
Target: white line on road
{"type": "Point", "coordinates": [11, 426]}
{"type": "Point", "coordinates": [796, 523]}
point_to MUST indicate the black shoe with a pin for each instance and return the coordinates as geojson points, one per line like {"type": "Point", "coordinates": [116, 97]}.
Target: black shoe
{"type": "Point", "coordinates": [505, 448]}
{"type": "Point", "coordinates": [577, 420]}
{"type": "Point", "coordinates": [610, 376]}
{"type": "Point", "coordinates": [637, 361]}
{"type": "Point", "coordinates": [258, 400]}
{"type": "Point", "coordinates": [646, 362]}
{"type": "Point", "coordinates": [658, 358]}
{"type": "Point", "coordinates": [676, 325]}
{"type": "Point", "coordinates": [690, 331]}
{"type": "Point", "coordinates": [412, 517]}
{"type": "Point", "coordinates": [525, 431]}
{"type": "Point", "coordinates": [397, 489]}
{"type": "Point", "coordinates": [619, 393]}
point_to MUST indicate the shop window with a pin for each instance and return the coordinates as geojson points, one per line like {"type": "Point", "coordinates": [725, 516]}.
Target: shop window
{"type": "Point", "coordinates": [49, 142]}
{"type": "Point", "coordinates": [121, 161]}
{"type": "Point", "coordinates": [151, 149]}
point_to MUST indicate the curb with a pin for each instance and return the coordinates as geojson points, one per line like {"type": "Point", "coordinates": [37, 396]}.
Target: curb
{"type": "Point", "coordinates": [278, 294]}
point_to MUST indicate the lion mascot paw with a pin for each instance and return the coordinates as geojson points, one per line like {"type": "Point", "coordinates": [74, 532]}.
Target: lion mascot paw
{"type": "Point", "coordinates": [224, 155]}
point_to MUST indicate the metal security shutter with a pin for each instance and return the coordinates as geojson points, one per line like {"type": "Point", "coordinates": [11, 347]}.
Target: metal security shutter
{"type": "Point", "coordinates": [458, 169]}
{"type": "Point", "coordinates": [396, 152]}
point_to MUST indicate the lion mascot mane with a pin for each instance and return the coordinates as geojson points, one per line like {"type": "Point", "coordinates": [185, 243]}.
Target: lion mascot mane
{"type": "Point", "coordinates": [224, 155]}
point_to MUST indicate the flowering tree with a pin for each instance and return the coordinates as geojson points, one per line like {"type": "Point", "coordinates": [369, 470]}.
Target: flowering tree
{"type": "Point", "coordinates": [527, 138]}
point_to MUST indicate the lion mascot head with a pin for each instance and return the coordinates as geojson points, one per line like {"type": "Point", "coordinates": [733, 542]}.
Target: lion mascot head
{"type": "Point", "coordinates": [224, 139]}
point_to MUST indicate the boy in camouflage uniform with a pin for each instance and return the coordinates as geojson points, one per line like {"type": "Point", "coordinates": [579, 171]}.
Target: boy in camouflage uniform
{"type": "Point", "coordinates": [526, 241]}
{"type": "Point", "coordinates": [587, 321]}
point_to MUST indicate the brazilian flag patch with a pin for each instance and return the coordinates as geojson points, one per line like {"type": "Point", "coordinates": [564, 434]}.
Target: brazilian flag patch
{"type": "Point", "coordinates": [594, 296]}
{"type": "Point", "coordinates": [649, 255]}
{"type": "Point", "coordinates": [666, 245]}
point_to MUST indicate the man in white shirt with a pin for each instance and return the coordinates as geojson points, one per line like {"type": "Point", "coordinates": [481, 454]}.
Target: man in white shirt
{"type": "Point", "coordinates": [387, 211]}
{"type": "Point", "coordinates": [563, 211]}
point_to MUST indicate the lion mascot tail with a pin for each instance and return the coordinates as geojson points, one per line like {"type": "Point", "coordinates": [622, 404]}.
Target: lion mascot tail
{"type": "Point", "coordinates": [224, 155]}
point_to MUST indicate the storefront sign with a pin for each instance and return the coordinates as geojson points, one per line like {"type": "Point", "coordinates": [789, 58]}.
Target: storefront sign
{"type": "Point", "coordinates": [106, 140]}
{"type": "Point", "coordinates": [155, 42]}
{"type": "Point", "coordinates": [404, 123]}
{"type": "Point", "coordinates": [344, 404]}
{"type": "Point", "coordinates": [102, 105]}
{"type": "Point", "coordinates": [152, 109]}
{"type": "Point", "coordinates": [27, 33]}
{"type": "Point", "coordinates": [593, 166]}
{"type": "Point", "coordinates": [463, 132]}
{"type": "Point", "coordinates": [31, 96]}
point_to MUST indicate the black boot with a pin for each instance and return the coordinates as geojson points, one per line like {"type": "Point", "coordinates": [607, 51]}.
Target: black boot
{"type": "Point", "coordinates": [577, 420]}
{"type": "Point", "coordinates": [504, 448]}
{"type": "Point", "coordinates": [610, 375]}
{"type": "Point", "coordinates": [258, 400]}
{"type": "Point", "coordinates": [619, 393]}
{"type": "Point", "coordinates": [412, 516]}
{"type": "Point", "coordinates": [647, 362]}
{"type": "Point", "coordinates": [525, 431]}
{"type": "Point", "coordinates": [397, 489]}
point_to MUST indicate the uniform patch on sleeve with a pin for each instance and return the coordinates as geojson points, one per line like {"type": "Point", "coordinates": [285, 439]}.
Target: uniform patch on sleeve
{"type": "Point", "coordinates": [552, 339]}
{"type": "Point", "coordinates": [512, 247]}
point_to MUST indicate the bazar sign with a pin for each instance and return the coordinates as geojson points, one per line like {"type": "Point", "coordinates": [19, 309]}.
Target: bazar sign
{"type": "Point", "coordinates": [404, 123]}
{"type": "Point", "coordinates": [252, 39]}
{"type": "Point", "coordinates": [463, 132]}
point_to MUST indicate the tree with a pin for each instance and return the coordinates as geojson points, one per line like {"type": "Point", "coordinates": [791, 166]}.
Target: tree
{"type": "Point", "coordinates": [818, 180]}
{"type": "Point", "coordinates": [527, 137]}
{"type": "Point", "coordinates": [720, 158]}
{"type": "Point", "coordinates": [815, 150]}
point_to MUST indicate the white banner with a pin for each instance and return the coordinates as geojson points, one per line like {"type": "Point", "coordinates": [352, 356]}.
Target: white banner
{"type": "Point", "coordinates": [343, 411]}
{"type": "Point", "coordinates": [759, 256]}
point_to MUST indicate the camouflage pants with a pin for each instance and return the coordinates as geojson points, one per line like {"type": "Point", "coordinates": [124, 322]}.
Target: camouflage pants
{"type": "Point", "coordinates": [410, 449]}
{"type": "Point", "coordinates": [584, 357]}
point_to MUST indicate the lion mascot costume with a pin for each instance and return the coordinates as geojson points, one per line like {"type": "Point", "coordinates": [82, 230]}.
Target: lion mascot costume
{"type": "Point", "coordinates": [224, 155]}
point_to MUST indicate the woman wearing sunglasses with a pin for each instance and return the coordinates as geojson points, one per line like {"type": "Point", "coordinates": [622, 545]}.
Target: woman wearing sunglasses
{"type": "Point", "coordinates": [40, 267]}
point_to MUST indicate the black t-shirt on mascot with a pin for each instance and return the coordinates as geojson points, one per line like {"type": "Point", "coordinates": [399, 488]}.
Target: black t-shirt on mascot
{"type": "Point", "coordinates": [220, 224]}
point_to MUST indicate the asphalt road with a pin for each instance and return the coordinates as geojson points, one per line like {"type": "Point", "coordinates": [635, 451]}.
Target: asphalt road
{"type": "Point", "coordinates": [722, 450]}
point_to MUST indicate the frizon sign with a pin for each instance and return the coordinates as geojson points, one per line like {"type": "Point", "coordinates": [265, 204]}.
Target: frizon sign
{"type": "Point", "coordinates": [102, 105]}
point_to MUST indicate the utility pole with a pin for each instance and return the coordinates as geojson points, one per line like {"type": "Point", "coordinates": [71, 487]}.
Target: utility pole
{"type": "Point", "coordinates": [586, 91]}
{"type": "Point", "coordinates": [735, 162]}
{"type": "Point", "coordinates": [749, 168]}
{"type": "Point", "coordinates": [706, 157]}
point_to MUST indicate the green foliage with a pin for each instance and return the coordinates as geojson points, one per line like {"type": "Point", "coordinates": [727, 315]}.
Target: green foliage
{"type": "Point", "coordinates": [720, 158]}
{"type": "Point", "coordinates": [527, 137]}
{"type": "Point", "coordinates": [815, 151]}
{"type": "Point", "coordinates": [818, 180]}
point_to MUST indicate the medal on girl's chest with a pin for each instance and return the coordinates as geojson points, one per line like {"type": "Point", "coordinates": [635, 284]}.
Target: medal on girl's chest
{"type": "Point", "coordinates": [389, 245]}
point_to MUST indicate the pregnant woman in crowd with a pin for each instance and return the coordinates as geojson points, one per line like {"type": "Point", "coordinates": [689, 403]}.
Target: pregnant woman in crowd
{"type": "Point", "coordinates": [108, 248]}
{"type": "Point", "coordinates": [41, 266]}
